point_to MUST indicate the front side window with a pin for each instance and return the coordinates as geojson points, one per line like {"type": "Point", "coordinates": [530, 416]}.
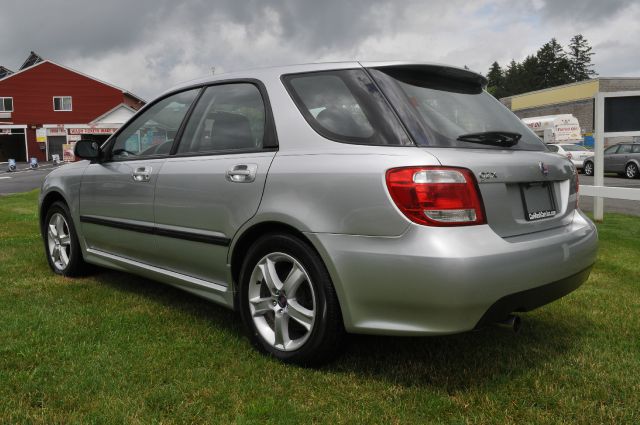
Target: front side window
{"type": "Point", "coordinates": [62, 103]}
{"type": "Point", "coordinates": [6, 104]}
{"type": "Point", "coordinates": [152, 132]}
{"type": "Point", "coordinates": [227, 117]}
{"type": "Point", "coordinates": [346, 106]}
{"type": "Point", "coordinates": [624, 149]}
{"type": "Point", "coordinates": [611, 149]}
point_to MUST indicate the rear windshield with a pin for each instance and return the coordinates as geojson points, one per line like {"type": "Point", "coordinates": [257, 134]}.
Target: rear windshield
{"type": "Point", "coordinates": [346, 106]}
{"type": "Point", "coordinates": [437, 110]}
{"type": "Point", "coordinates": [574, 148]}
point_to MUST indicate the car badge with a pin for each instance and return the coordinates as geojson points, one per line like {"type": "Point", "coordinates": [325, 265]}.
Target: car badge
{"type": "Point", "coordinates": [544, 168]}
{"type": "Point", "coordinates": [486, 175]}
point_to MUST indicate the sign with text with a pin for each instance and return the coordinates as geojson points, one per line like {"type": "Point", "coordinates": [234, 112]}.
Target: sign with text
{"type": "Point", "coordinates": [41, 135]}
{"type": "Point", "coordinates": [94, 130]}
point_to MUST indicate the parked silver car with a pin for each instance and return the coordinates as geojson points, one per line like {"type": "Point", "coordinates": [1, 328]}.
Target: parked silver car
{"type": "Point", "coordinates": [623, 159]}
{"type": "Point", "coordinates": [576, 153]}
{"type": "Point", "coordinates": [382, 198]}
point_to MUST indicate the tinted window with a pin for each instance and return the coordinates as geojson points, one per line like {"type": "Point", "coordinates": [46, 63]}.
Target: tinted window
{"type": "Point", "coordinates": [574, 148]}
{"type": "Point", "coordinates": [346, 106]}
{"type": "Point", "coordinates": [152, 133]}
{"type": "Point", "coordinates": [227, 117]}
{"type": "Point", "coordinates": [611, 149]}
{"type": "Point", "coordinates": [621, 114]}
{"type": "Point", "coordinates": [624, 149]}
{"type": "Point", "coordinates": [437, 109]}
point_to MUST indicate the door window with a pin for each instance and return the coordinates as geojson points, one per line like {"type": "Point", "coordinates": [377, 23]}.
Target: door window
{"type": "Point", "coordinates": [227, 117]}
{"type": "Point", "coordinates": [624, 149]}
{"type": "Point", "coordinates": [152, 133]}
{"type": "Point", "coordinates": [611, 149]}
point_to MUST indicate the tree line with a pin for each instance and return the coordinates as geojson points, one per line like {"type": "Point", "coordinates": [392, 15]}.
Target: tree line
{"type": "Point", "coordinates": [550, 66]}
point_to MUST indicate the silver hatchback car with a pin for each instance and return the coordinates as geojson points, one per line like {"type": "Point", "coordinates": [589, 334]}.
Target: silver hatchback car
{"type": "Point", "coordinates": [324, 199]}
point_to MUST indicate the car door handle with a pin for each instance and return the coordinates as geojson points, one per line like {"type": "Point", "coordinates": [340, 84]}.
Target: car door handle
{"type": "Point", "coordinates": [142, 174]}
{"type": "Point", "coordinates": [242, 173]}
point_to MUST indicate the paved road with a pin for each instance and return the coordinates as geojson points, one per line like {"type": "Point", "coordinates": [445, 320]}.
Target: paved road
{"type": "Point", "coordinates": [22, 180]}
{"type": "Point", "coordinates": [25, 180]}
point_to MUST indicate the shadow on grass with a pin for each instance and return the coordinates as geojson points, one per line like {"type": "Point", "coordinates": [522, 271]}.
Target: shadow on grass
{"type": "Point", "coordinates": [448, 363]}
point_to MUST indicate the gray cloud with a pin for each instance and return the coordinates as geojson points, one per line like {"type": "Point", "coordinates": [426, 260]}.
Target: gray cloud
{"type": "Point", "coordinates": [148, 45]}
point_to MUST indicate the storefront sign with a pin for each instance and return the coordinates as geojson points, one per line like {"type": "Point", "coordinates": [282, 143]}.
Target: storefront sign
{"type": "Point", "coordinates": [67, 152]}
{"type": "Point", "coordinates": [41, 135]}
{"type": "Point", "coordinates": [57, 131]}
{"type": "Point", "coordinates": [94, 130]}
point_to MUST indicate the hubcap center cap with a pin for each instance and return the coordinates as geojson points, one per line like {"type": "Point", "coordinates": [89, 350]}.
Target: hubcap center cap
{"type": "Point", "coordinates": [282, 301]}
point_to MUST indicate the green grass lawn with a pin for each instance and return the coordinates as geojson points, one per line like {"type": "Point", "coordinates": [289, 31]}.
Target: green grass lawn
{"type": "Point", "coordinates": [115, 348]}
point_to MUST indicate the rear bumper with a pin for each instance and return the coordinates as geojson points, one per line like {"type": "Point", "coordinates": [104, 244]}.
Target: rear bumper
{"type": "Point", "coordinates": [531, 299]}
{"type": "Point", "coordinates": [432, 281]}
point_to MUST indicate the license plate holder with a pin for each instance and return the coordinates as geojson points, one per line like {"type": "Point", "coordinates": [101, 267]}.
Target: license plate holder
{"type": "Point", "coordinates": [538, 200]}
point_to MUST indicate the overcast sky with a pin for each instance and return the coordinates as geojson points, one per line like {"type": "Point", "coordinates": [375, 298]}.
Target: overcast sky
{"type": "Point", "coordinates": [146, 46]}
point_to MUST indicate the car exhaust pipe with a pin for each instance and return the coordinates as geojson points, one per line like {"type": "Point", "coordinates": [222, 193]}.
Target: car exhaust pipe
{"type": "Point", "coordinates": [511, 322]}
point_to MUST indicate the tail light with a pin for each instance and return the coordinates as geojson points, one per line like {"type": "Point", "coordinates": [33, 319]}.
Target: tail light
{"type": "Point", "coordinates": [569, 155]}
{"type": "Point", "coordinates": [436, 196]}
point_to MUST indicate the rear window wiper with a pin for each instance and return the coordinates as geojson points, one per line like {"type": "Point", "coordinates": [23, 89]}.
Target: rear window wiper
{"type": "Point", "coordinates": [495, 138]}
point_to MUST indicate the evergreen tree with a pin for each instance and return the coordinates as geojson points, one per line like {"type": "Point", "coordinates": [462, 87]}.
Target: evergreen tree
{"type": "Point", "coordinates": [495, 76]}
{"type": "Point", "coordinates": [553, 65]}
{"type": "Point", "coordinates": [530, 74]}
{"type": "Point", "coordinates": [512, 81]}
{"type": "Point", "coordinates": [579, 57]}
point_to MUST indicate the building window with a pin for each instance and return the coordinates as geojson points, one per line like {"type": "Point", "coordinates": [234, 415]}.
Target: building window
{"type": "Point", "coordinates": [62, 103]}
{"type": "Point", "coordinates": [6, 104]}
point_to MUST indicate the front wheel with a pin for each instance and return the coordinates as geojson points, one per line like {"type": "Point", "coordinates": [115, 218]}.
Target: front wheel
{"type": "Point", "coordinates": [631, 170]}
{"type": "Point", "coordinates": [288, 303]}
{"type": "Point", "coordinates": [588, 168]}
{"type": "Point", "coordinates": [61, 242]}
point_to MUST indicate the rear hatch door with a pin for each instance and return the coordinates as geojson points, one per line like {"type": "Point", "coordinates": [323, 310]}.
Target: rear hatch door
{"type": "Point", "coordinates": [522, 191]}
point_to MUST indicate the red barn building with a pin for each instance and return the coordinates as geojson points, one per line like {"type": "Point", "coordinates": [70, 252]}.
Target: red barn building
{"type": "Point", "coordinates": [45, 105]}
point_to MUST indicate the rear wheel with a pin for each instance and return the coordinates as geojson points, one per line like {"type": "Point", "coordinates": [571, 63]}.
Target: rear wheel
{"type": "Point", "coordinates": [288, 303]}
{"type": "Point", "coordinates": [61, 242]}
{"type": "Point", "coordinates": [588, 168]}
{"type": "Point", "coordinates": [631, 171]}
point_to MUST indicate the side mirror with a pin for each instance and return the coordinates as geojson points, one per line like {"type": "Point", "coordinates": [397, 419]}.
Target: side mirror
{"type": "Point", "coordinates": [87, 149]}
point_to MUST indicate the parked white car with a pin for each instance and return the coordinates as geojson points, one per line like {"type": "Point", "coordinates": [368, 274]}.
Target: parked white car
{"type": "Point", "coordinates": [576, 153]}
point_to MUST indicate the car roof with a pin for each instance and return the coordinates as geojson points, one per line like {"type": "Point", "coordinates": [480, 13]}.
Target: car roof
{"type": "Point", "coordinates": [266, 72]}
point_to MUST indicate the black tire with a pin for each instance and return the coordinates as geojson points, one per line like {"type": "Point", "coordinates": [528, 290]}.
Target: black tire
{"type": "Point", "coordinates": [588, 168]}
{"type": "Point", "coordinates": [631, 171]}
{"type": "Point", "coordinates": [75, 266]}
{"type": "Point", "coordinates": [324, 340]}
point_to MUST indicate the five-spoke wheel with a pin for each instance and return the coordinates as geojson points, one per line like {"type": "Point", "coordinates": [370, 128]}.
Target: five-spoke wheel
{"type": "Point", "coordinates": [61, 242]}
{"type": "Point", "coordinates": [58, 241]}
{"type": "Point", "coordinates": [287, 301]}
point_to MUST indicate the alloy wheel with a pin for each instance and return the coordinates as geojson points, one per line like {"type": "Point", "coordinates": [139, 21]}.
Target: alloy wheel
{"type": "Point", "coordinates": [282, 301]}
{"type": "Point", "coordinates": [588, 169]}
{"type": "Point", "coordinates": [59, 241]}
{"type": "Point", "coordinates": [632, 171]}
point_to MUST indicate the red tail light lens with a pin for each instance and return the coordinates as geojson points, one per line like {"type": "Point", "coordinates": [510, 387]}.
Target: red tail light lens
{"type": "Point", "coordinates": [436, 196]}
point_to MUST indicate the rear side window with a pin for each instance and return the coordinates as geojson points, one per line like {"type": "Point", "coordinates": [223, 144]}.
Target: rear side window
{"type": "Point", "coordinates": [636, 148]}
{"type": "Point", "coordinates": [346, 106]}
